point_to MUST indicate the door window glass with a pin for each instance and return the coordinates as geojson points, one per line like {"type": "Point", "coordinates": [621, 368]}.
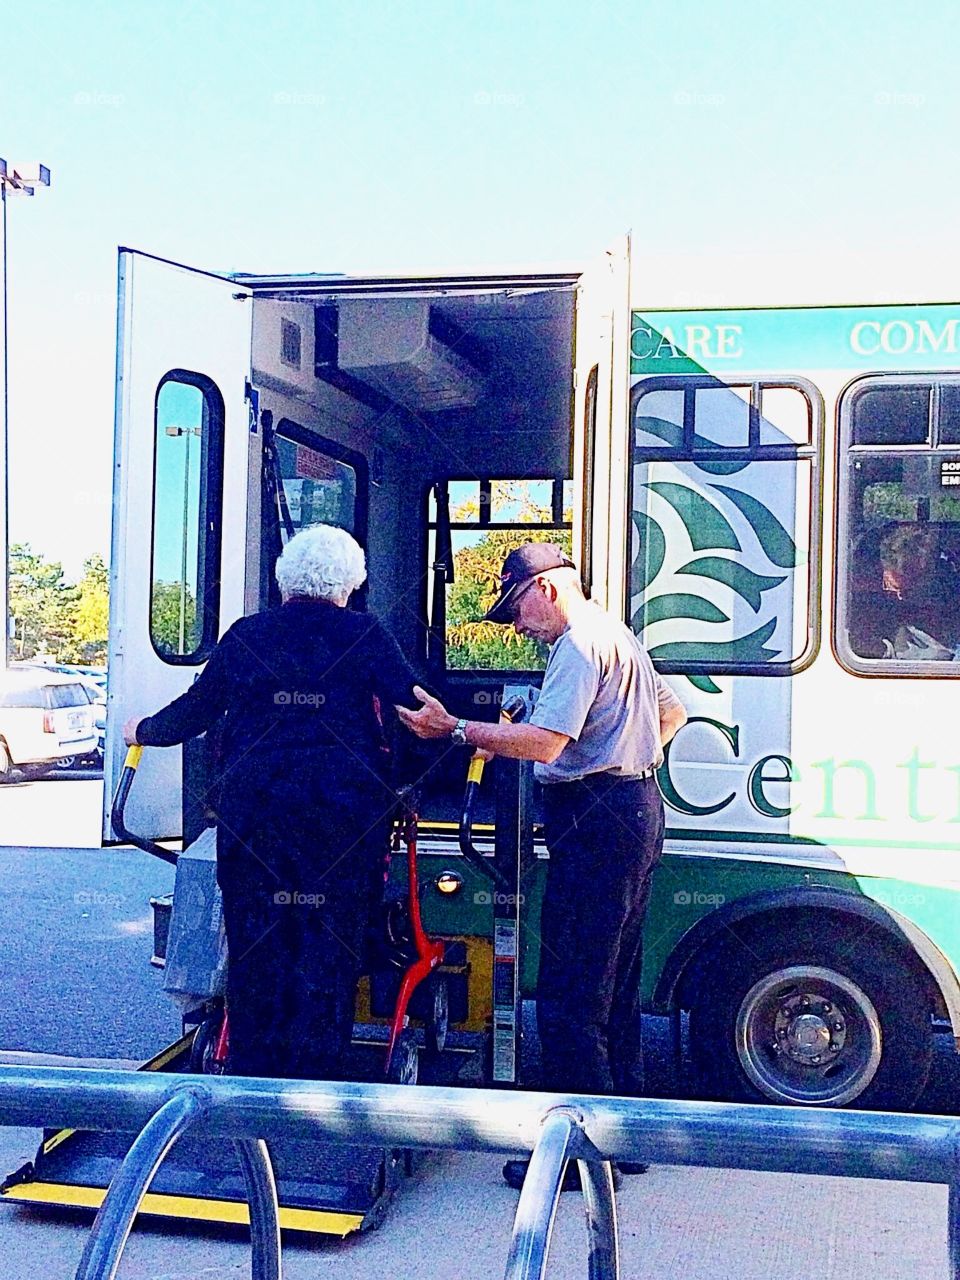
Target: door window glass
{"type": "Point", "coordinates": [188, 484]}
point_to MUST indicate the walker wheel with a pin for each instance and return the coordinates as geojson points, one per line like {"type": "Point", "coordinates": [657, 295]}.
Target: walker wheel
{"type": "Point", "coordinates": [437, 1023]}
{"type": "Point", "coordinates": [404, 1065]}
{"type": "Point", "coordinates": [205, 1046]}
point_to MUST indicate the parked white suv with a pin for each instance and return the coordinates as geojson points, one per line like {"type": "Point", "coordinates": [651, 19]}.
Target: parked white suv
{"type": "Point", "coordinates": [44, 716]}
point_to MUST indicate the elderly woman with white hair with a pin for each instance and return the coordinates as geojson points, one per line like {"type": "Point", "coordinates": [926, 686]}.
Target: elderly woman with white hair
{"type": "Point", "coordinates": [304, 805]}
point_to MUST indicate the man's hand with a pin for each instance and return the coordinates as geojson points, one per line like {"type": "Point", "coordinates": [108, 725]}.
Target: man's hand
{"type": "Point", "coordinates": [431, 721]}
{"type": "Point", "coordinates": [130, 731]}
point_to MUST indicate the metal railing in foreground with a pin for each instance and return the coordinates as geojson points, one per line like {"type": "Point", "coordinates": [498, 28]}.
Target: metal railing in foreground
{"type": "Point", "coordinates": [553, 1127]}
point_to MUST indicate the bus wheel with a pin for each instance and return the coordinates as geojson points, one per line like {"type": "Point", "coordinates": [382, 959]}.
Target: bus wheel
{"type": "Point", "coordinates": [819, 1023]}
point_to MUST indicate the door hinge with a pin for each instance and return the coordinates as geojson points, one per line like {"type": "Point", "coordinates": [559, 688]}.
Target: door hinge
{"type": "Point", "coordinates": [252, 397]}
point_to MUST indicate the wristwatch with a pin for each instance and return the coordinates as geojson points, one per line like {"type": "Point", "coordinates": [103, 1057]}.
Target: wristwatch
{"type": "Point", "coordinates": [458, 734]}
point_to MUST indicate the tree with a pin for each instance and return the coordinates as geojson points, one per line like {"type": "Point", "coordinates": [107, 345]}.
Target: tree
{"type": "Point", "coordinates": [167, 601]}
{"type": "Point", "coordinates": [487, 646]}
{"type": "Point", "coordinates": [41, 605]}
{"type": "Point", "coordinates": [91, 615]}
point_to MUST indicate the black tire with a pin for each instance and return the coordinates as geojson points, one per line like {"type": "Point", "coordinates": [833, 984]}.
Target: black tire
{"type": "Point", "coordinates": [807, 1016]}
{"type": "Point", "coordinates": [34, 772]}
{"type": "Point", "coordinates": [405, 1063]}
{"type": "Point", "coordinates": [66, 762]}
{"type": "Point", "coordinates": [204, 1047]}
{"type": "Point", "coordinates": [6, 764]}
{"type": "Point", "coordinates": [437, 1024]}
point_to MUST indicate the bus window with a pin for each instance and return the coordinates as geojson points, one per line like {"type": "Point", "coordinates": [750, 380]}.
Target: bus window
{"type": "Point", "coordinates": [187, 494]}
{"type": "Point", "coordinates": [487, 519]}
{"type": "Point", "coordinates": [725, 523]}
{"type": "Point", "coordinates": [317, 487]}
{"type": "Point", "coordinates": [898, 561]}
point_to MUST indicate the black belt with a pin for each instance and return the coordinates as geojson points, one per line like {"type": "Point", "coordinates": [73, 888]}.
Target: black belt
{"type": "Point", "coordinates": [603, 775]}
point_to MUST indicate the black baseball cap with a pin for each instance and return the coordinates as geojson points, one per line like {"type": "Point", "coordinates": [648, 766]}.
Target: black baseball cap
{"type": "Point", "coordinates": [519, 567]}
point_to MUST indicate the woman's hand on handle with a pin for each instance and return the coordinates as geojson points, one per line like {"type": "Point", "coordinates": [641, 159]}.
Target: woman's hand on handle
{"type": "Point", "coordinates": [130, 731]}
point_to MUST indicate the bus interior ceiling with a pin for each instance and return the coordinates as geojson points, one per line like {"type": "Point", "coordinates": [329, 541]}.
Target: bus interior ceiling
{"type": "Point", "coordinates": [416, 390]}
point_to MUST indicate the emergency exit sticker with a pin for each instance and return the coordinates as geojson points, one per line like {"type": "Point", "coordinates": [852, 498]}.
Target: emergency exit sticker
{"type": "Point", "coordinates": [311, 465]}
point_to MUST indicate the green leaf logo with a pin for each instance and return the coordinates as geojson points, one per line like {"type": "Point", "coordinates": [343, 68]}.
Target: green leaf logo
{"type": "Point", "coordinates": [677, 605]}
{"type": "Point", "coordinates": [777, 544]}
{"type": "Point", "coordinates": [650, 556]}
{"type": "Point", "coordinates": [672, 434]}
{"type": "Point", "coordinates": [749, 648]}
{"type": "Point", "coordinates": [748, 585]}
{"type": "Point", "coordinates": [706, 526]}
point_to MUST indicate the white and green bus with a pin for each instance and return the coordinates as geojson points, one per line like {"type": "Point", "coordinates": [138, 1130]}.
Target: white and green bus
{"type": "Point", "coordinates": [766, 495]}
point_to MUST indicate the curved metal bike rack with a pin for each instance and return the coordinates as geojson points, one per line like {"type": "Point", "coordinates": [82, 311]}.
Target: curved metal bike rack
{"type": "Point", "coordinates": [554, 1128]}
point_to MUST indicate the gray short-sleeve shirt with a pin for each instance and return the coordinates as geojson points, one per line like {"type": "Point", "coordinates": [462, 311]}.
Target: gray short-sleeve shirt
{"type": "Point", "coordinates": [600, 689]}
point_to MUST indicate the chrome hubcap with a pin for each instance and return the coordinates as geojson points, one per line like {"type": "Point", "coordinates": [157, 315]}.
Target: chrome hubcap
{"type": "Point", "coordinates": [807, 1034]}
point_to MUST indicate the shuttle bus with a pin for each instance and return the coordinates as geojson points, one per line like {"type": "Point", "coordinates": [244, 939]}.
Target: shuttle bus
{"type": "Point", "coordinates": [769, 496]}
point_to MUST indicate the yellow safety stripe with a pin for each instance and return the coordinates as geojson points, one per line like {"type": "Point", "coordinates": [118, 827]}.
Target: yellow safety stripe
{"type": "Point", "coordinates": [133, 757]}
{"type": "Point", "coordinates": [430, 825]}
{"type": "Point", "coordinates": [167, 1055]}
{"type": "Point", "coordinates": [323, 1221]}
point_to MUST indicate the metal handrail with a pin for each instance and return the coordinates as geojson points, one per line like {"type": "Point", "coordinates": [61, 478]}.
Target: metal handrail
{"type": "Point", "coordinates": [553, 1127]}
{"type": "Point", "coordinates": [111, 1227]}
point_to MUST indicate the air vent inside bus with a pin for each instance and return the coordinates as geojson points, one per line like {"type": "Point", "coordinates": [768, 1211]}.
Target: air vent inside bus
{"type": "Point", "coordinates": [398, 347]}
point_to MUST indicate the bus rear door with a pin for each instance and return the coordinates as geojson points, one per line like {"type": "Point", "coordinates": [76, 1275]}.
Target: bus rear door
{"type": "Point", "coordinates": [178, 564]}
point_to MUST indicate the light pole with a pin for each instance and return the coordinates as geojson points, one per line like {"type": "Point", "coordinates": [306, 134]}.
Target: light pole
{"type": "Point", "coordinates": [188, 432]}
{"type": "Point", "coordinates": [20, 180]}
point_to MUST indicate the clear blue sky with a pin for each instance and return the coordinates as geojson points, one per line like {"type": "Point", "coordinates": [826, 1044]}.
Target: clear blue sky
{"type": "Point", "coordinates": [364, 135]}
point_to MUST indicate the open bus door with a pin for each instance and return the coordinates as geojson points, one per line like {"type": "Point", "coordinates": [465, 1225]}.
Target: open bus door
{"type": "Point", "coordinates": [180, 478]}
{"type": "Point", "coordinates": [601, 377]}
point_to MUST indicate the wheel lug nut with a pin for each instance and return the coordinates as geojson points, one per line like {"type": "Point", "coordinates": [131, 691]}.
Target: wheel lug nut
{"type": "Point", "coordinates": [805, 1002]}
{"type": "Point", "coordinates": [827, 1007]}
{"type": "Point", "coordinates": [838, 1026]}
{"type": "Point", "coordinates": [815, 1058]}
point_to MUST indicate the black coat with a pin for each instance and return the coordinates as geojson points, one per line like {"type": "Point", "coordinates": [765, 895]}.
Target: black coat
{"type": "Point", "coordinates": [303, 819]}
{"type": "Point", "coordinates": [297, 678]}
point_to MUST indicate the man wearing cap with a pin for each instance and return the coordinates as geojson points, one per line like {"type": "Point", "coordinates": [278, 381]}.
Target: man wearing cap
{"type": "Point", "coordinates": [596, 736]}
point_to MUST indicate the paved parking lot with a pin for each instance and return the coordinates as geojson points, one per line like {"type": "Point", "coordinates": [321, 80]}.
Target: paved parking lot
{"type": "Point", "coordinates": [61, 809]}
{"type": "Point", "coordinates": [84, 918]}
{"type": "Point", "coordinates": [453, 1221]}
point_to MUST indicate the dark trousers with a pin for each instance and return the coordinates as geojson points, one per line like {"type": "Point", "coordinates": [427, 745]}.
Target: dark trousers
{"type": "Point", "coordinates": [297, 865]}
{"type": "Point", "coordinates": [604, 836]}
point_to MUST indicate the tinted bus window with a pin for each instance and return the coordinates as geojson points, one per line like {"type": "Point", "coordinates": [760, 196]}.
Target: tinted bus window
{"type": "Point", "coordinates": [898, 534]}
{"type": "Point", "coordinates": [317, 488]}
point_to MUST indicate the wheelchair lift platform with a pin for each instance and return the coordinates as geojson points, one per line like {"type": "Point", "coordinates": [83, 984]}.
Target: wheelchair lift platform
{"type": "Point", "coordinates": [322, 1188]}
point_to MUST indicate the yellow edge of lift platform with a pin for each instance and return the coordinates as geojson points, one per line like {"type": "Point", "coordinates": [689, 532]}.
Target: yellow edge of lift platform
{"type": "Point", "coordinates": [197, 1208]}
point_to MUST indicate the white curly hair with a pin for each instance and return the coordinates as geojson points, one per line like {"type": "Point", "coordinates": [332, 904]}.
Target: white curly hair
{"type": "Point", "coordinates": [323, 562]}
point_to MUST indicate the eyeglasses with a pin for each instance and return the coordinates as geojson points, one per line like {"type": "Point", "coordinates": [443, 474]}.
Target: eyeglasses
{"type": "Point", "coordinates": [516, 599]}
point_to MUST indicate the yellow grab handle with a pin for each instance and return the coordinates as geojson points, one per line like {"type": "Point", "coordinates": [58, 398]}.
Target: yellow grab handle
{"type": "Point", "coordinates": [475, 771]}
{"type": "Point", "coordinates": [133, 756]}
